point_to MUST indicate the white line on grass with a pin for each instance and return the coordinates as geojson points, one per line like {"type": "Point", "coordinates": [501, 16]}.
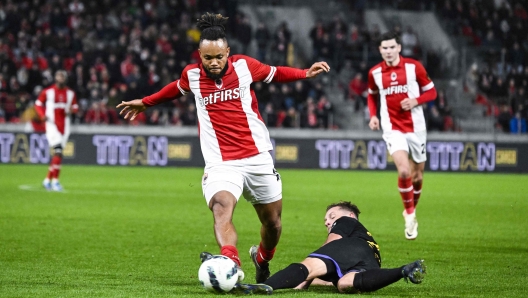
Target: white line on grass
{"type": "Point", "coordinates": [40, 188]}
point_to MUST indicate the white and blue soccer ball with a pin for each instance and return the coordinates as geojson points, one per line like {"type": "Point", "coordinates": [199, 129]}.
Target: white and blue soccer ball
{"type": "Point", "coordinates": [219, 274]}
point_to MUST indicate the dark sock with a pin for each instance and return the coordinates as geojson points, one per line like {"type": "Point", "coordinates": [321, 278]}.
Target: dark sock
{"type": "Point", "coordinates": [375, 279]}
{"type": "Point", "coordinates": [289, 277]}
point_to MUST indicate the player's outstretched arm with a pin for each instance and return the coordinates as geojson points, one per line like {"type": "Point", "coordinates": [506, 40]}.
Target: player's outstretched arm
{"type": "Point", "coordinates": [131, 108]}
{"type": "Point", "coordinates": [317, 68]}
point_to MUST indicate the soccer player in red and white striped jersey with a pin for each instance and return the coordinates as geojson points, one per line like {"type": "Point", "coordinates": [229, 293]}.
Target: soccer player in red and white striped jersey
{"type": "Point", "coordinates": [54, 105]}
{"type": "Point", "coordinates": [402, 85]}
{"type": "Point", "coordinates": [234, 140]}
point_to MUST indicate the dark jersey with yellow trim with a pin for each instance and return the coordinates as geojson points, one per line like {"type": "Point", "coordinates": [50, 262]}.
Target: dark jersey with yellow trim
{"type": "Point", "coordinates": [348, 227]}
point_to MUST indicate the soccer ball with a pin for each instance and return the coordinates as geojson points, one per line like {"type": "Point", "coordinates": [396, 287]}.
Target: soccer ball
{"type": "Point", "coordinates": [219, 274]}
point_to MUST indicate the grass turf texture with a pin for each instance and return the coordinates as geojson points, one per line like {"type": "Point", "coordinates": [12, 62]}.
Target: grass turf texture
{"type": "Point", "coordinates": [138, 232]}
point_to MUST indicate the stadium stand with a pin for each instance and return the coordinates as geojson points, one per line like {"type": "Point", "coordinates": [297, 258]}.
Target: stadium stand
{"type": "Point", "coordinates": [120, 50]}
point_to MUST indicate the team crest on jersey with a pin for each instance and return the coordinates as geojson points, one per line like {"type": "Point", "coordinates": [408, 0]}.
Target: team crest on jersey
{"type": "Point", "coordinates": [219, 83]}
{"type": "Point", "coordinates": [394, 76]}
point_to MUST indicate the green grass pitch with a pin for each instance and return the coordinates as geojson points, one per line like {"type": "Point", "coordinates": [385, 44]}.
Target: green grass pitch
{"type": "Point", "coordinates": [138, 231]}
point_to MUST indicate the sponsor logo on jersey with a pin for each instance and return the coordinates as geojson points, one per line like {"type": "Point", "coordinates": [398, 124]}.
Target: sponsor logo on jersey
{"type": "Point", "coordinates": [223, 95]}
{"type": "Point", "coordinates": [395, 90]}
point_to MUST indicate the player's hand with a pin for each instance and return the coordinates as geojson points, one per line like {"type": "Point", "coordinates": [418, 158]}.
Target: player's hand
{"type": "Point", "coordinates": [131, 108]}
{"type": "Point", "coordinates": [408, 103]}
{"type": "Point", "coordinates": [317, 68]}
{"type": "Point", "coordinates": [374, 123]}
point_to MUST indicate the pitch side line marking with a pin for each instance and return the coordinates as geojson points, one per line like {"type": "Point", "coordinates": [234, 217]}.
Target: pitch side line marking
{"type": "Point", "coordinates": [40, 188]}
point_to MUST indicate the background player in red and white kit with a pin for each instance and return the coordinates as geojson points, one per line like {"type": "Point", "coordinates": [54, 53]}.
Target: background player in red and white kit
{"type": "Point", "coordinates": [402, 85]}
{"type": "Point", "coordinates": [54, 105]}
{"type": "Point", "coordinates": [234, 140]}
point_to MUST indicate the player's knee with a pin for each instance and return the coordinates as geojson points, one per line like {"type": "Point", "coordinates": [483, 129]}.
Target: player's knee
{"type": "Point", "coordinates": [222, 205]}
{"type": "Point", "coordinates": [404, 173]}
{"type": "Point", "coordinates": [57, 150]}
{"type": "Point", "coordinates": [417, 179]}
{"type": "Point", "coordinates": [273, 224]}
{"type": "Point", "coordinates": [346, 286]}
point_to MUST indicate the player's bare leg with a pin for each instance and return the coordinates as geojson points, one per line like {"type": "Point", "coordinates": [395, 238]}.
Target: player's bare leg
{"type": "Point", "coordinates": [270, 232]}
{"type": "Point", "coordinates": [346, 283]}
{"type": "Point", "coordinates": [405, 186]}
{"type": "Point", "coordinates": [316, 267]}
{"type": "Point", "coordinates": [222, 205]}
{"type": "Point", "coordinates": [417, 170]}
{"type": "Point", "coordinates": [51, 182]}
{"type": "Point", "coordinates": [270, 218]}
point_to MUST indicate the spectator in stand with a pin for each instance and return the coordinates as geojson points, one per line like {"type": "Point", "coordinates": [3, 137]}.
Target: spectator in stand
{"type": "Point", "coordinates": [96, 114]}
{"type": "Point", "coordinates": [324, 109]}
{"type": "Point", "coordinates": [357, 89]}
{"type": "Point", "coordinates": [310, 118]}
{"type": "Point", "coordinates": [189, 117]}
{"type": "Point", "coordinates": [339, 40]}
{"type": "Point", "coordinates": [326, 48]}
{"type": "Point", "coordinates": [262, 36]}
{"type": "Point", "coordinates": [441, 104]}
{"type": "Point", "coordinates": [316, 35]}
{"type": "Point", "coordinates": [269, 115]}
{"type": "Point", "coordinates": [243, 34]}
{"type": "Point", "coordinates": [499, 89]}
{"type": "Point", "coordinates": [409, 42]}
{"type": "Point", "coordinates": [290, 121]}
{"type": "Point", "coordinates": [280, 49]}
{"type": "Point", "coordinates": [435, 120]}
{"type": "Point", "coordinates": [300, 93]}
{"type": "Point", "coordinates": [503, 120]}
{"type": "Point", "coordinates": [518, 124]}
{"type": "Point", "coordinates": [287, 99]}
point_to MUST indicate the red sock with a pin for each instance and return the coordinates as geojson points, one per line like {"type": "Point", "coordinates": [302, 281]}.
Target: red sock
{"type": "Point", "coordinates": [231, 252]}
{"type": "Point", "coordinates": [55, 164]}
{"type": "Point", "coordinates": [263, 255]}
{"type": "Point", "coordinates": [406, 191]}
{"type": "Point", "coordinates": [50, 170]}
{"type": "Point", "coordinates": [417, 192]}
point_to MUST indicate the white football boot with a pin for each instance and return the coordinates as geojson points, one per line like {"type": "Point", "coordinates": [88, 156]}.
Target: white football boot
{"type": "Point", "coordinates": [411, 225]}
{"type": "Point", "coordinates": [56, 186]}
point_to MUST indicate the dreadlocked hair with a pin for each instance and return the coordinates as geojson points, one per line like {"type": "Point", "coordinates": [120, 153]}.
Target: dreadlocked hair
{"type": "Point", "coordinates": [346, 206]}
{"type": "Point", "coordinates": [212, 26]}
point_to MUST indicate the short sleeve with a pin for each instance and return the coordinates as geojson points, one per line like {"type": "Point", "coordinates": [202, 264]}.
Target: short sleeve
{"type": "Point", "coordinates": [183, 83]}
{"type": "Point", "coordinates": [344, 226]}
{"type": "Point", "coordinates": [260, 71]}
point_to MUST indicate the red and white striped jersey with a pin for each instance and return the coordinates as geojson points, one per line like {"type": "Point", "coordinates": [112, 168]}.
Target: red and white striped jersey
{"type": "Point", "coordinates": [56, 104]}
{"type": "Point", "coordinates": [230, 124]}
{"type": "Point", "coordinates": [395, 83]}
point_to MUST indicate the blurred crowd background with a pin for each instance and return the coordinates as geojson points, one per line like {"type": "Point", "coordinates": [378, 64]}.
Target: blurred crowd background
{"type": "Point", "coordinates": [123, 50]}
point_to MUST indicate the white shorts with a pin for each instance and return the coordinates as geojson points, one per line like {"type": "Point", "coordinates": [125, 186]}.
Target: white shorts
{"type": "Point", "coordinates": [54, 136]}
{"type": "Point", "coordinates": [411, 142]}
{"type": "Point", "coordinates": [255, 177]}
